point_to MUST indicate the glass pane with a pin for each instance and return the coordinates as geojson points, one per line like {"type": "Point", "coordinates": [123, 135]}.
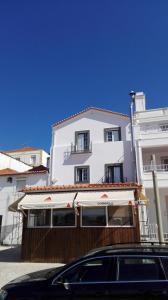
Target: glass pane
{"type": "Point", "coordinates": [80, 141]}
{"type": "Point", "coordinates": [94, 216]}
{"type": "Point", "coordinates": [132, 269]}
{"type": "Point", "coordinates": [109, 136]}
{"type": "Point", "coordinates": [120, 216]}
{"type": "Point", "coordinates": [82, 174]}
{"type": "Point", "coordinates": [63, 217]}
{"type": "Point", "coordinates": [116, 135]}
{"type": "Point", "coordinates": [39, 217]}
{"type": "Point", "coordinates": [117, 173]}
{"type": "Point", "coordinates": [95, 270]}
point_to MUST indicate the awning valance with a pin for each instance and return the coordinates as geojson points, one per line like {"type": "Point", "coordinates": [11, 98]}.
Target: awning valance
{"type": "Point", "coordinates": [45, 200]}
{"type": "Point", "coordinates": [105, 198]}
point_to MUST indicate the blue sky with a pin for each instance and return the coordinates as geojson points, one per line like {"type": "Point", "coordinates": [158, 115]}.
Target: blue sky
{"type": "Point", "coordinates": [59, 56]}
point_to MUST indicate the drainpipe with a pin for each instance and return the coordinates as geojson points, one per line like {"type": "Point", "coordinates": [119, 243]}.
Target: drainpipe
{"type": "Point", "coordinates": [132, 95]}
{"type": "Point", "coordinates": [157, 201]}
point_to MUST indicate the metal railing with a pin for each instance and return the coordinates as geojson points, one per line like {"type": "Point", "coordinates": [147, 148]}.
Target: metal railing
{"type": "Point", "coordinates": [86, 149]}
{"type": "Point", "coordinates": [159, 168]}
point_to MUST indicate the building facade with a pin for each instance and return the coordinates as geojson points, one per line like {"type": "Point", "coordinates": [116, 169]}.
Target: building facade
{"type": "Point", "coordinates": [151, 141]}
{"type": "Point", "coordinates": [11, 182]}
{"type": "Point", "coordinates": [93, 146]}
{"type": "Point", "coordinates": [31, 156]}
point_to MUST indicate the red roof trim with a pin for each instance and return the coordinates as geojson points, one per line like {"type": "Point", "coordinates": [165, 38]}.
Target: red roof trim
{"type": "Point", "coordinates": [96, 186]}
{"type": "Point", "coordinates": [87, 109]}
{"type": "Point", "coordinates": [24, 149]}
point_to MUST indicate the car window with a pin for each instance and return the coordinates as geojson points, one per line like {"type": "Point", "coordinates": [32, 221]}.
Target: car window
{"type": "Point", "coordinates": [139, 269]}
{"type": "Point", "coordinates": [165, 265]}
{"type": "Point", "coordinates": [92, 270]}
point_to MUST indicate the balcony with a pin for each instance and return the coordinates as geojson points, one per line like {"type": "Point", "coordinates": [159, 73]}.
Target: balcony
{"type": "Point", "coordinates": [158, 168]}
{"type": "Point", "coordinates": [145, 129]}
{"type": "Point", "coordinates": [75, 149]}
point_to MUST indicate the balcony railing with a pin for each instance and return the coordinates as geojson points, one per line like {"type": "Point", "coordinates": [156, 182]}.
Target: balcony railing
{"type": "Point", "coordinates": [146, 129]}
{"type": "Point", "coordinates": [86, 149]}
{"type": "Point", "coordinates": [159, 168]}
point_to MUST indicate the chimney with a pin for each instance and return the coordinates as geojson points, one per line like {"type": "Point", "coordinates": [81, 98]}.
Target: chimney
{"type": "Point", "coordinates": [140, 101]}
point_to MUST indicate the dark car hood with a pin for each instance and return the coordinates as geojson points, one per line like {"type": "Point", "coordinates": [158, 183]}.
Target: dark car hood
{"type": "Point", "coordinates": [37, 276]}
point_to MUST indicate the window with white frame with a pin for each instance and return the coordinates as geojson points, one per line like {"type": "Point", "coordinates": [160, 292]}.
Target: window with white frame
{"type": "Point", "coordinates": [93, 216]}
{"type": "Point", "coordinates": [110, 216]}
{"type": "Point", "coordinates": [39, 218]}
{"type": "Point", "coordinates": [33, 159]}
{"type": "Point", "coordinates": [82, 174]}
{"type": "Point", "coordinates": [20, 183]}
{"type": "Point", "coordinates": [120, 215]}
{"type": "Point", "coordinates": [112, 134]}
{"type": "Point", "coordinates": [63, 217]}
{"type": "Point", "coordinates": [51, 217]}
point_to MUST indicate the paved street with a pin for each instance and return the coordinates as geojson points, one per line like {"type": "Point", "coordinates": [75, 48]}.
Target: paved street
{"type": "Point", "coordinates": [11, 266]}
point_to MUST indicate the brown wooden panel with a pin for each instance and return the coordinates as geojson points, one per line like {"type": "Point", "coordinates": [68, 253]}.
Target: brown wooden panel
{"type": "Point", "coordinates": [66, 244]}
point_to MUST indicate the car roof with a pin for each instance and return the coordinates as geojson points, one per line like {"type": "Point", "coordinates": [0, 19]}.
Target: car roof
{"type": "Point", "coordinates": [144, 248]}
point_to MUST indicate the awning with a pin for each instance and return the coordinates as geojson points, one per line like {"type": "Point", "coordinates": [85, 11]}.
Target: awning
{"type": "Point", "coordinates": [105, 198]}
{"type": "Point", "coordinates": [45, 200]}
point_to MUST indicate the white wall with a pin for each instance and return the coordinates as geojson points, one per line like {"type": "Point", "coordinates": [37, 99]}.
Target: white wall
{"type": "Point", "coordinates": [11, 163]}
{"type": "Point", "coordinates": [9, 194]}
{"type": "Point", "coordinates": [63, 162]}
{"type": "Point", "coordinates": [41, 157]}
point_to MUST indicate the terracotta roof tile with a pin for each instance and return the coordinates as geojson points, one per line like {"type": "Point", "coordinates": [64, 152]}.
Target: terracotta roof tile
{"type": "Point", "coordinates": [24, 149]}
{"type": "Point", "coordinates": [33, 171]}
{"type": "Point", "coordinates": [92, 186]}
{"type": "Point", "coordinates": [87, 109]}
{"type": "Point", "coordinates": [8, 171]}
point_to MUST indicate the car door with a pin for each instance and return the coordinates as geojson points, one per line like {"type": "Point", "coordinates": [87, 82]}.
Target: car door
{"type": "Point", "coordinates": [139, 276]}
{"type": "Point", "coordinates": [89, 279]}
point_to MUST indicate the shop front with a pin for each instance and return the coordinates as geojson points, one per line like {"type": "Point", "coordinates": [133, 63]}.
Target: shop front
{"type": "Point", "coordinates": [63, 223]}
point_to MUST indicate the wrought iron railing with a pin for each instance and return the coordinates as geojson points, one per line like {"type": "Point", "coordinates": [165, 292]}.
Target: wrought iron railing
{"type": "Point", "coordinates": [85, 149]}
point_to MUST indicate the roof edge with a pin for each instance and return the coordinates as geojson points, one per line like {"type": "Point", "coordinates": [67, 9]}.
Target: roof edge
{"type": "Point", "coordinates": [87, 109]}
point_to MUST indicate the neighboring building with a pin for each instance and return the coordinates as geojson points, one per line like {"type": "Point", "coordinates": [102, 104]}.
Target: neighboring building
{"type": "Point", "coordinates": [93, 146]}
{"type": "Point", "coordinates": [8, 162]}
{"type": "Point", "coordinates": [31, 156]}
{"type": "Point", "coordinates": [151, 137]}
{"type": "Point", "coordinates": [11, 182]}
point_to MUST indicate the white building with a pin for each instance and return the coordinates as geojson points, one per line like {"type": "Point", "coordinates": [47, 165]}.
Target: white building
{"type": "Point", "coordinates": [11, 182]}
{"type": "Point", "coordinates": [7, 161]}
{"type": "Point", "coordinates": [92, 146]}
{"type": "Point", "coordinates": [31, 156]}
{"type": "Point", "coordinates": [151, 137]}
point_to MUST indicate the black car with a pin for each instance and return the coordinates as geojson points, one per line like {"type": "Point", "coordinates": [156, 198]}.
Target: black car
{"type": "Point", "coordinates": [112, 272]}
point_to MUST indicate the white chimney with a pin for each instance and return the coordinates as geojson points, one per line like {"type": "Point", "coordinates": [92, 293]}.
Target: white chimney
{"type": "Point", "coordinates": [140, 101]}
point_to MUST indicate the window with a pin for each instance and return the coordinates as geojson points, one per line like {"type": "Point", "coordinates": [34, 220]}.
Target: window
{"type": "Point", "coordinates": [39, 217]}
{"type": "Point", "coordinates": [114, 173]}
{"type": "Point", "coordinates": [112, 134]}
{"type": "Point", "coordinates": [82, 174]}
{"type": "Point", "coordinates": [20, 184]}
{"type": "Point", "coordinates": [63, 217]}
{"type": "Point", "coordinates": [165, 265]}
{"type": "Point", "coordinates": [107, 216]}
{"type": "Point", "coordinates": [93, 270]}
{"type": "Point", "coordinates": [33, 160]}
{"type": "Point", "coordinates": [82, 141]}
{"type": "Point", "coordinates": [93, 216]}
{"type": "Point", "coordinates": [164, 163]}
{"type": "Point", "coordinates": [139, 269]}
{"type": "Point", "coordinates": [164, 127]}
{"type": "Point", "coordinates": [120, 216]}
